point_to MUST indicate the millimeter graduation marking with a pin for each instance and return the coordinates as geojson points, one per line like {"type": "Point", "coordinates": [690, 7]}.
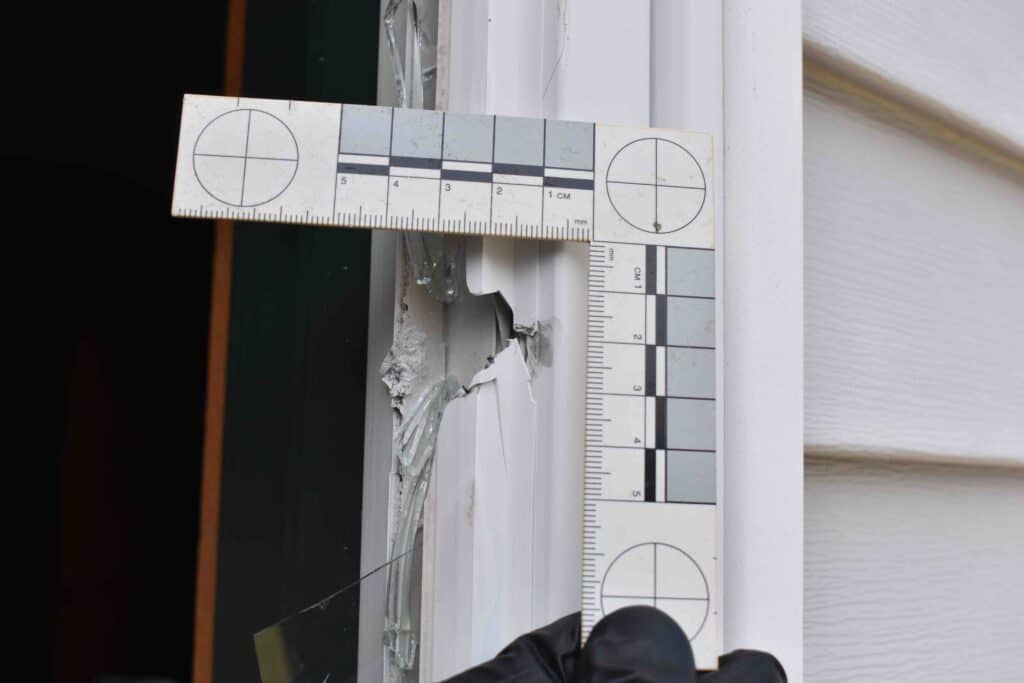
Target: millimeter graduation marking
{"type": "Point", "coordinates": [642, 197]}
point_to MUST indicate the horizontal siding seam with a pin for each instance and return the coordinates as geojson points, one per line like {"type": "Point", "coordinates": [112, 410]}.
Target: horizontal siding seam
{"type": "Point", "coordinates": [830, 74]}
{"type": "Point", "coordinates": [908, 456]}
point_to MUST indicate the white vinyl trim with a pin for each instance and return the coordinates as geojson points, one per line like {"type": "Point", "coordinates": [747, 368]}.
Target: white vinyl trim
{"type": "Point", "coordinates": [763, 292]}
{"type": "Point", "coordinates": [734, 72]}
{"type": "Point", "coordinates": [958, 62]}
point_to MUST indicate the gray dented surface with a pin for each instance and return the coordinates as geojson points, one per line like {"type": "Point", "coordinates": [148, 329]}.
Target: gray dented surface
{"type": "Point", "coordinates": [403, 365]}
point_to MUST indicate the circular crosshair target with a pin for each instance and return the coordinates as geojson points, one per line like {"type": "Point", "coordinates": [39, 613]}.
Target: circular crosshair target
{"type": "Point", "coordinates": [662, 576]}
{"type": "Point", "coordinates": [245, 157]}
{"type": "Point", "coordinates": [656, 185]}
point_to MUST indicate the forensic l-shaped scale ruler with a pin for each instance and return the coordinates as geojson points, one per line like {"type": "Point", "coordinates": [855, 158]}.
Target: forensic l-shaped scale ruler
{"type": "Point", "coordinates": [641, 197]}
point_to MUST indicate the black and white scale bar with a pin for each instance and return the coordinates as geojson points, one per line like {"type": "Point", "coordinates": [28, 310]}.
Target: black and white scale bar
{"type": "Point", "coordinates": [650, 474]}
{"type": "Point", "coordinates": [650, 370]}
{"type": "Point", "coordinates": [398, 163]}
{"type": "Point", "coordinates": [394, 166]}
{"type": "Point", "coordinates": [651, 269]}
{"type": "Point", "coordinates": [519, 169]}
{"type": "Point", "coordinates": [415, 162]}
{"type": "Point", "coordinates": [471, 176]}
{"type": "Point", "coordinates": [661, 423]}
{"type": "Point", "coordinates": [364, 169]}
{"type": "Point", "coordinates": [661, 320]}
{"type": "Point", "coordinates": [568, 183]}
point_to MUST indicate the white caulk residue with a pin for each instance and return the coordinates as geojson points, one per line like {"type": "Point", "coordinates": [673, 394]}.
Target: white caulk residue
{"type": "Point", "coordinates": [403, 364]}
{"type": "Point", "coordinates": [415, 445]}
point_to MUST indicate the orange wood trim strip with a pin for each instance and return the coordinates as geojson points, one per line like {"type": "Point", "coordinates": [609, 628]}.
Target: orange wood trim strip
{"type": "Point", "coordinates": [216, 389]}
{"type": "Point", "coordinates": [209, 510]}
{"type": "Point", "coordinates": [234, 53]}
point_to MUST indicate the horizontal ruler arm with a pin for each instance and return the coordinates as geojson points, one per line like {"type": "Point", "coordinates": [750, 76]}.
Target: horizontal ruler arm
{"type": "Point", "coordinates": [379, 167]}
{"type": "Point", "coordinates": [328, 164]}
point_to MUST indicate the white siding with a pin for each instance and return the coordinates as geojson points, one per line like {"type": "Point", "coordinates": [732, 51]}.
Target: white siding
{"type": "Point", "coordinates": [959, 59]}
{"type": "Point", "coordinates": [914, 275]}
{"type": "Point", "coordinates": [913, 572]}
{"type": "Point", "coordinates": [914, 294]}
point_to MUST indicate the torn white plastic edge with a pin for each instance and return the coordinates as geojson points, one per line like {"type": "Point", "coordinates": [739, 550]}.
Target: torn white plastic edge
{"type": "Point", "coordinates": [490, 71]}
{"type": "Point", "coordinates": [484, 489]}
{"type": "Point", "coordinates": [397, 309]}
{"type": "Point", "coordinates": [682, 64]}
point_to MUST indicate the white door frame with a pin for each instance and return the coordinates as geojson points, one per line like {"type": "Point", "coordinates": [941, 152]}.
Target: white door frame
{"type": "Point", "coordinates": [734, 70]}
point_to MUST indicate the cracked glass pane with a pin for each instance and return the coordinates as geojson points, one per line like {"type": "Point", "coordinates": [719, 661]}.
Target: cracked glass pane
{"type": "Point", "coordinates": [415, 446]}
{"type": "Point", "coordinates": [410, 27]}
{"type": "Point", "coordinates": [434, 261]}
{"type": "Point", "coordinates": [411, 30]}
{"type": "Point", "coordinates": [304, 647]}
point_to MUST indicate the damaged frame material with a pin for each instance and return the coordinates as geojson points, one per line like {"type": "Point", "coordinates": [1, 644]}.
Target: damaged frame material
{"type": "Point", "coordinates": [557, 107]}
{"type": "Point", "coordinates": [416, 448]}
{"type": "Point", "coordinates": [534, 317]}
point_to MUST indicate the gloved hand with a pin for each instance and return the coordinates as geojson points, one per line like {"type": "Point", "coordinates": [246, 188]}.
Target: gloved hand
{"type": "Point", "coordinates": [634, 644]}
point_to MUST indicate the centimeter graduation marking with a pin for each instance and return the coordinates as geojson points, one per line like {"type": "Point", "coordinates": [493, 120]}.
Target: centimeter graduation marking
{"type": "Point", "coordinates": [640, 196]}
{"type": "Point", "coordinates": [380, 167]}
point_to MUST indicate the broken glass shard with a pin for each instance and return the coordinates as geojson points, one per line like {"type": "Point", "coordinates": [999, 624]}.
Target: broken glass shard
{"type": "Point", "coordinates": [412, 44]}
{"type": "Point", "coordinates": [434, 262]}
{"type": "Point", "coordinates": [308, 646]}
{"type": "Point", "coordinates": [415, 446]}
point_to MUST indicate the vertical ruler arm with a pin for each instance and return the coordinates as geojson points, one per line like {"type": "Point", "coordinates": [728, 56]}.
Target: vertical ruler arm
{"type": "Point", "coordinates": [651, 458]}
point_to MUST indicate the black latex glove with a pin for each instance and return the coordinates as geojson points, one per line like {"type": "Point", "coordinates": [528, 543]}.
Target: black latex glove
{"type": "Point", "coordinates": [634, 644]}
